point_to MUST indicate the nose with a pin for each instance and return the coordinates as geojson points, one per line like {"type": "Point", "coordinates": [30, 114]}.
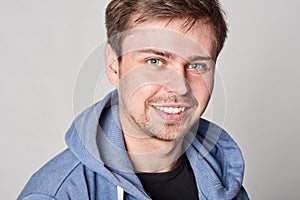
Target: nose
{"type": "Point", "coordinates": [176, 81]}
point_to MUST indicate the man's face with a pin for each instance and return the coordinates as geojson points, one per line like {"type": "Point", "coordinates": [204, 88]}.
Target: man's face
{"type": "Point", "coordinates": [165, 78]}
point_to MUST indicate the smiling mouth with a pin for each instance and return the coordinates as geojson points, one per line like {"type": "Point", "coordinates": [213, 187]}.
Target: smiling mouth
{"type": "Point", "coordinates": [170, 110]}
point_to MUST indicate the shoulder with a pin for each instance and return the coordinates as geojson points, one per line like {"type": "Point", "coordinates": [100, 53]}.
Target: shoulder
{"type": "Point", "coordinates": [46, 182]}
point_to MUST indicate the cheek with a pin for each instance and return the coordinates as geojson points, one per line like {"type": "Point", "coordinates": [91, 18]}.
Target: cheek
{"type": "Point", "coordinates": [138, 100]}
{"type": "Point", "coordinates": [202, 89]}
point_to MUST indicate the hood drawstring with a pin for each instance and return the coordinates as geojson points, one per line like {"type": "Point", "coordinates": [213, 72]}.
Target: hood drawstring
{"type": "Point", "coordinates": [120, 193]}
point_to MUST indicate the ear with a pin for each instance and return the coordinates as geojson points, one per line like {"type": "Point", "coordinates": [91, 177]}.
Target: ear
{"type": "Point", "coordinates": [112, 64]}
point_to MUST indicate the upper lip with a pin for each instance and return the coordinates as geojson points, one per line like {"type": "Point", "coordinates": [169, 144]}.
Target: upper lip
{"type": "Point", "coordinates": [173, 105]}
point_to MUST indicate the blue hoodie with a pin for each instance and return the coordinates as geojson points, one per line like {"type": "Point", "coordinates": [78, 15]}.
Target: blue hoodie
{"type": "Point", "coordinates": [96, 165]}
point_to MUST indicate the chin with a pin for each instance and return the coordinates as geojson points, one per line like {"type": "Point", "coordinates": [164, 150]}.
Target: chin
{"type": "Point", "coordinates": [169, 135]}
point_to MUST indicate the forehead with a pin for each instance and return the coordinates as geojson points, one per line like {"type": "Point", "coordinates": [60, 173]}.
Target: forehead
{"type": "Point", "coordinates": [171, 35]}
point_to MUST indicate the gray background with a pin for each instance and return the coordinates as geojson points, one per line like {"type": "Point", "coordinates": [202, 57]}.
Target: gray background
{"type": "Point", "coordinates": [43, 45]}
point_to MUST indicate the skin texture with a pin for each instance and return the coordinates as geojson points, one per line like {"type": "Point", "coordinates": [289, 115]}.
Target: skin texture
{"type": "Point", "coordinates": [163, 66]}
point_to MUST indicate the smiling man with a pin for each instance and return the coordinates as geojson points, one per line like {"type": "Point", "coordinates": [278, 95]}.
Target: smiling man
{"type": "Point", "coordinates": [146, 140]}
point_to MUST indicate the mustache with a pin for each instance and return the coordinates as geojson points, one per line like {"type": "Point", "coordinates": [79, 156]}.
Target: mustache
{"type": "Point", "coordinates": [189, 99]}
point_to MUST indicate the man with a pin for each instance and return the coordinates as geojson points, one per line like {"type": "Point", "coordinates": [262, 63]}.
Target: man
{"type": "Point", "coordinates": [146, 139]}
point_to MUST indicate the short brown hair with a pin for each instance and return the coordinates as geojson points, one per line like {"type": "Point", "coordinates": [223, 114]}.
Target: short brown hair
{"type": "Point", "coordinates": [120, 13]}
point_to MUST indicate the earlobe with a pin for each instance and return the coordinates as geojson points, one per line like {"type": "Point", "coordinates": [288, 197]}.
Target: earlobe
{"type": "Point", "coordinates": [112, 64]}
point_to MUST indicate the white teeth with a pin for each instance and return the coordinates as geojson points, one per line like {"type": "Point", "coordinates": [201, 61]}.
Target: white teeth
{"type": "Point", "coordinates": [176, 110]}
{"type": "Point", "coordinates": [170, 110]}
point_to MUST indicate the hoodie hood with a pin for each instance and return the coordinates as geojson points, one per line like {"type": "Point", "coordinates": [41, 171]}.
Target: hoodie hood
{"type": "Point", "coordinates": [95, 138]}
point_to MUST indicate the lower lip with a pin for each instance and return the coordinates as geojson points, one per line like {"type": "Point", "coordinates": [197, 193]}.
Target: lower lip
{"type": "Point", "coordinates": [171, 117]}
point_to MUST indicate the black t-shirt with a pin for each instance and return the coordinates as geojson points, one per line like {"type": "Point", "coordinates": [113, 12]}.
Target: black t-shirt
{"type": "Point", "coordinates": [179, 183]}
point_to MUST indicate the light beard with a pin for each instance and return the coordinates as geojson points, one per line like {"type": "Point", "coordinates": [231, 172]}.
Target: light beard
{"type": "Point", "coordinates": [188, 99]}
{"type": "Point", "coordinates": [170, 136]}
{"type": "Point", "coordinates": [167, 132]}
{"type": "Point", "coordinates": [171, 131]}
{"type": "Point", "coordinates": [143, 126]}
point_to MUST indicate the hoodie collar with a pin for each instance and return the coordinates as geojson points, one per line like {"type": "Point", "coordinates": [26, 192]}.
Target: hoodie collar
{"type": "Point", "coordinates": [95, 137]}
{"type": "Point", "coordinates": [217, 162]}
{"type": "Point", "coordinates": [100, 145]}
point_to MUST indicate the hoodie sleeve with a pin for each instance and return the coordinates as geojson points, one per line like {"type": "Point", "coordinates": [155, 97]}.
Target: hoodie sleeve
{"type": "Point", "coordinates": [37, 197]}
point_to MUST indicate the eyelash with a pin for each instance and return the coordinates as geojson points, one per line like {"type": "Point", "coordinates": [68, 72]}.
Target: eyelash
{"type": "Point", "coordinates": [203, 66]}
{"type": "Point", "coordinates": [155, 59]}
{"type": "Point", "coordinates": [188, 67]}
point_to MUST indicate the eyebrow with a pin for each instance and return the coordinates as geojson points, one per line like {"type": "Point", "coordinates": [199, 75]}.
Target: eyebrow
{"type": "Point", "coordinates": [195, 58]}
{"type": "Point", "coordinates": [171, 55]}
{"type": "Point", "coordinates": [162, 53]}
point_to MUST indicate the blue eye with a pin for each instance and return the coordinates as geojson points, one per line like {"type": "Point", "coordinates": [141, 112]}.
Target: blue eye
{"type": "Point", "coordinates": [197, 66]}
{"type": "Point", "coordinates": [154, 62]}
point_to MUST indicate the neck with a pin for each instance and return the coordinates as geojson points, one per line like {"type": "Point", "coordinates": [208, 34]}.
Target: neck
{"type": "Point", "coordinates": [152, 155]}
